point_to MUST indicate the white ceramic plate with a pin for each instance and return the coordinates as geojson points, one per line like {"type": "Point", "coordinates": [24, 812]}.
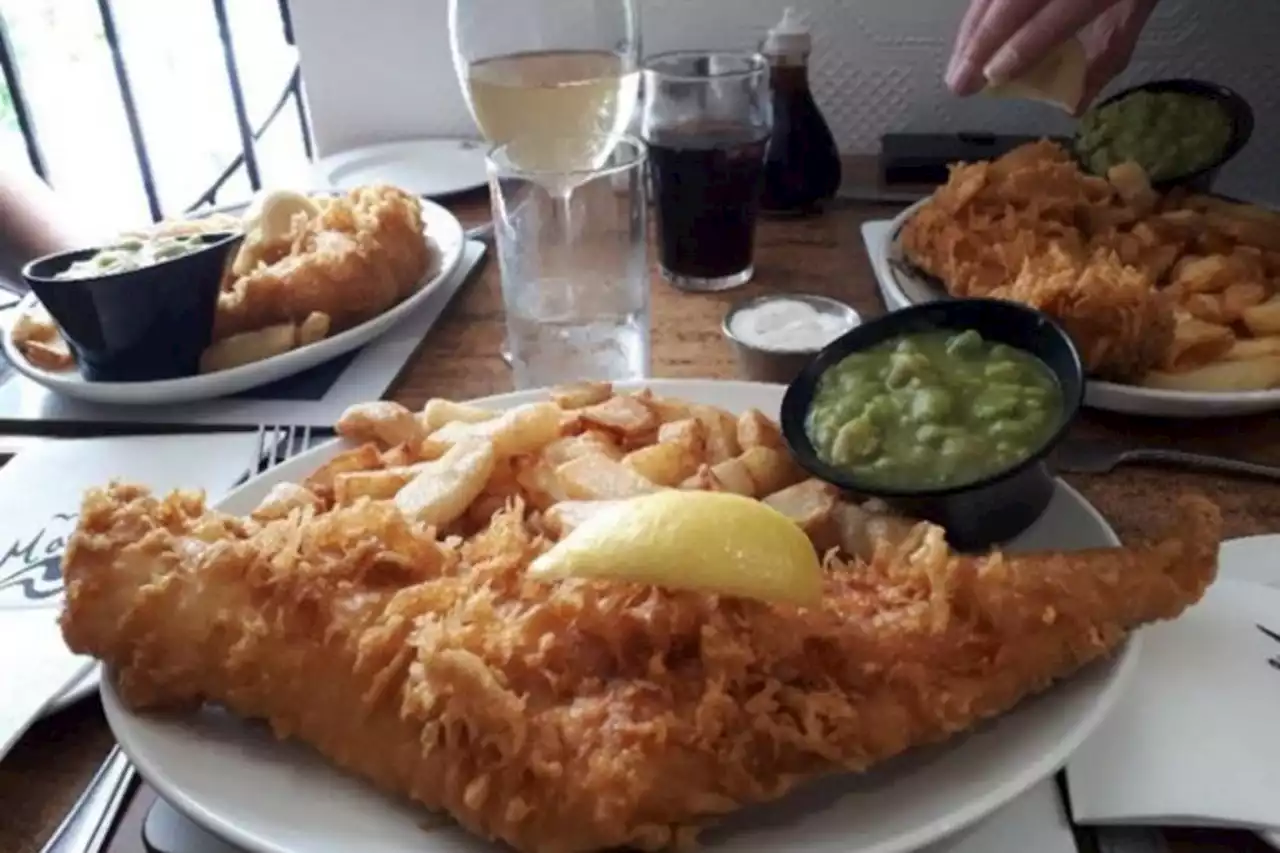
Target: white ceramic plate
{"type": "Point", "coordinates": [427, 167]}
{"type": "Point", "coordinates": [267, 796]}
{"type": "Point", "coordinates": [442, 228]}
{"type": "Point", "coordinates": [903, 288]}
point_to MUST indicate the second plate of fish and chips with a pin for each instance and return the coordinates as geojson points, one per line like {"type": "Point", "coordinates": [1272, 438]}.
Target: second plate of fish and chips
{"type": "Point", "coordinates": [1174, 298]}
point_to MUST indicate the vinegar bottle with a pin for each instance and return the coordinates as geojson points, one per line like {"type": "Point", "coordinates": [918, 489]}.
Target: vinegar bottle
{"type": "Point", "coordinates": [802, 167]}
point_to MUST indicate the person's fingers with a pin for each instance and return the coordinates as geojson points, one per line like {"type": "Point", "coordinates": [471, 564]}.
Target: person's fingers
{"type": "Point", "coordinates": [1099, 39]}
{"type": "Point", "coordinates": [987, 25]}
{"type": "Point", "coordinates": [957, 75]}
{"type": "Point", "coordinates": [1053, 23]}
{"type": "Point", "coordinates": [969, 24]}
{"type": "Point", "coordinates": [1110, 44]}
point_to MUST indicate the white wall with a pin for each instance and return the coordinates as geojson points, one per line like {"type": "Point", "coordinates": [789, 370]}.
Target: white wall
{"type": "Point", "coordinates": [380, 69]}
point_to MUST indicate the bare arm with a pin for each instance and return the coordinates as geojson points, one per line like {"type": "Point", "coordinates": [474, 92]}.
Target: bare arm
{"type": "Point", "coordinates": [32, 221]}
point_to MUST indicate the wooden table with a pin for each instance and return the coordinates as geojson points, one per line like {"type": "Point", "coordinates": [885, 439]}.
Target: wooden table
{"type": "Point", "coordinates": [43, 776]}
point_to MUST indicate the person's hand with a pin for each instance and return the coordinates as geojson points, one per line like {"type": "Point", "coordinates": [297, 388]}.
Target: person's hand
{"type": "Point", "coordinates": [1001, 39]}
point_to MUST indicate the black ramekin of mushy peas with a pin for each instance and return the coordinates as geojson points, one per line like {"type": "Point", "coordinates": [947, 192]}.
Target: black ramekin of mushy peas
{"type": "Point", "coordinates": [139, 310]}
{"type": "Point", "coordinates": [946, 411]}
{"type": "Point", "coordinates": [1182, 132]}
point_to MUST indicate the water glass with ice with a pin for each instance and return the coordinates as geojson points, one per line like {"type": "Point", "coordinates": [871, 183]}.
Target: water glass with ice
{"type": "Point", "coordinates": [573, 254]}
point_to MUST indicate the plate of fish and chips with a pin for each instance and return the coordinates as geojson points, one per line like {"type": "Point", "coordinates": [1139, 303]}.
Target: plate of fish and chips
{"type": "Point", "coordinates": [382, 604]}
{"type": "Point", "coordinates": [1173, 299]}
{"type": "Point", "coordinates": [316, 276]}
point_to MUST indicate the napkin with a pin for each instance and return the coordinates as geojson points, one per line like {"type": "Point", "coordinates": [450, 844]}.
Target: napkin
{"type": "Point", "coordinates": [1194, 741]}
{"type": "Point", "coordinates": [40, 491]}
{"type": "Point", "coordinates": [1252, 558]}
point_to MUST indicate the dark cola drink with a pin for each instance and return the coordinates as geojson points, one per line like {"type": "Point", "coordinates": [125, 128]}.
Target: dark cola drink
{"type": "Point", "coordinates": [707, 180]}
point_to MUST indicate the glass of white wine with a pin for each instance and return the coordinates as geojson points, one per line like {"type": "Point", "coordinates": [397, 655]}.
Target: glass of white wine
{"type": "Point", "coordinates": [556, 80]}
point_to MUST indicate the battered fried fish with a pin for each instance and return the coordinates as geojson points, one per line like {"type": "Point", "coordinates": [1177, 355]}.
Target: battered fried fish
{"type": "Point", "coordinates": [1033, 228]}
{"type": "Point", "coordinates": [1121, 324]}
{"type": "Point", "coordinates": [362, 254]}
{"type": "Point", "coordinates": [582, 716]}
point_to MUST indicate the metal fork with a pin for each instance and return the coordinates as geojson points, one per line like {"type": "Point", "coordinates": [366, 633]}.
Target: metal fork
{"type": "Point", "coordinates": [91, 820]}
{"type": "Point", "coordinates": [1094, 457]}
{"type": "Point", "coordinates": [278, 442]}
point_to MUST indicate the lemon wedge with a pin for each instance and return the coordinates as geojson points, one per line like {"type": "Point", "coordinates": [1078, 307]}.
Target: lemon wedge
{"type": "Point", "coordinates": [1057, 79]}
{"type": "Point", "coordinates": [271, 212]}
{"type": "Point", "coordinates": [706, 541]}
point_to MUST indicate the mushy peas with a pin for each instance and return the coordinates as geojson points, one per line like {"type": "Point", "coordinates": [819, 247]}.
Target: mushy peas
{"type": "Point", "coordinates": [130, 255]}
{"type": "Point", "coordinates": [933, 410]}
{"type": "Point", "coordinates": [1168, 134]}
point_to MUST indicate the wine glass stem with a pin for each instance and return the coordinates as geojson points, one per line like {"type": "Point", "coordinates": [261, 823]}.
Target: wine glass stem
{"type": "Point", "coordinates": [564, 199]}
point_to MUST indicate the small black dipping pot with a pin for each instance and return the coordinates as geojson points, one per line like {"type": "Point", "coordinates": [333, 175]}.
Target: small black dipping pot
{"type": "Point", "coordinates": [979, 514]}
{"type": "Point", "coordinates": [139, 325]}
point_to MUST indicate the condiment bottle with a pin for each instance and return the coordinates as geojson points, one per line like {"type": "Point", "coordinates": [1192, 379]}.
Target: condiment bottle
{"type": "Point", "coordinates": [802, 167]}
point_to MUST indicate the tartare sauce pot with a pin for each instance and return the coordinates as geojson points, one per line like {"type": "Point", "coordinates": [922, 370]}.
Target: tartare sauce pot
{"type": "Point", "coordinates": [758, 361]}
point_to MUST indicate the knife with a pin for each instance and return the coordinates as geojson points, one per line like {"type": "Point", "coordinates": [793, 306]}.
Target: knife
{"type": "Point", "coordinates": [91, 819]}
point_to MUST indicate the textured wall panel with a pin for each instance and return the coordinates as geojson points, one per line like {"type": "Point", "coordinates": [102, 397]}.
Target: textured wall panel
{"type": "Point", "coordinates": [381, 68]}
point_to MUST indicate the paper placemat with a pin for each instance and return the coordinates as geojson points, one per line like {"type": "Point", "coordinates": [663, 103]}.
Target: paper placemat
{"type": "Point", "coordinates": [314, 398]}
{"type": "Point", "coordinates": [36, 667]}
{"type": "Point", "coordinates": [41, 488]}
{"type": "Point", "coordinates": [40, 493]}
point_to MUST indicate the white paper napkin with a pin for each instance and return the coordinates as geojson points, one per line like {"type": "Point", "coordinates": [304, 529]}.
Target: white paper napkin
{"type": "Point", "coordinates": [40, 492]}
{"type": "Point", "coordinates": [1195, 741]}
{"type": "Point", "coordinates": [1251, 558]}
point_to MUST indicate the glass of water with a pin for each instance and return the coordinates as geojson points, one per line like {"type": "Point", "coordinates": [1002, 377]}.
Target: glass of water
{"type": "Point", "coordinates": [574, 258]}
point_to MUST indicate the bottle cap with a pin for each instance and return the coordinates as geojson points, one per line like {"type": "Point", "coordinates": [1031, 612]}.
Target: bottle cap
{"type": "Point", "coordinates": [789, 36]}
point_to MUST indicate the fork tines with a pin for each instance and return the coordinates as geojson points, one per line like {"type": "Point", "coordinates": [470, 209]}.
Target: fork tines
{"type": "Point", "coordinates": [278, 442]}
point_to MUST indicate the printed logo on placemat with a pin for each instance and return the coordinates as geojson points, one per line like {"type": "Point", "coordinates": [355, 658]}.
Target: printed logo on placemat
{"type": "Point", "coordinates": [31, 565]}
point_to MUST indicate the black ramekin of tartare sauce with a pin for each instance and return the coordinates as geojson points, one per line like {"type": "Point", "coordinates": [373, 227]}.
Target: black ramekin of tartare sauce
{"type": "Point", "coordinates": [144, 324]}
{"type": "Point", "coordinates": [1236, 112]}
{"type": "Point", "coordinates": [977, 514]}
